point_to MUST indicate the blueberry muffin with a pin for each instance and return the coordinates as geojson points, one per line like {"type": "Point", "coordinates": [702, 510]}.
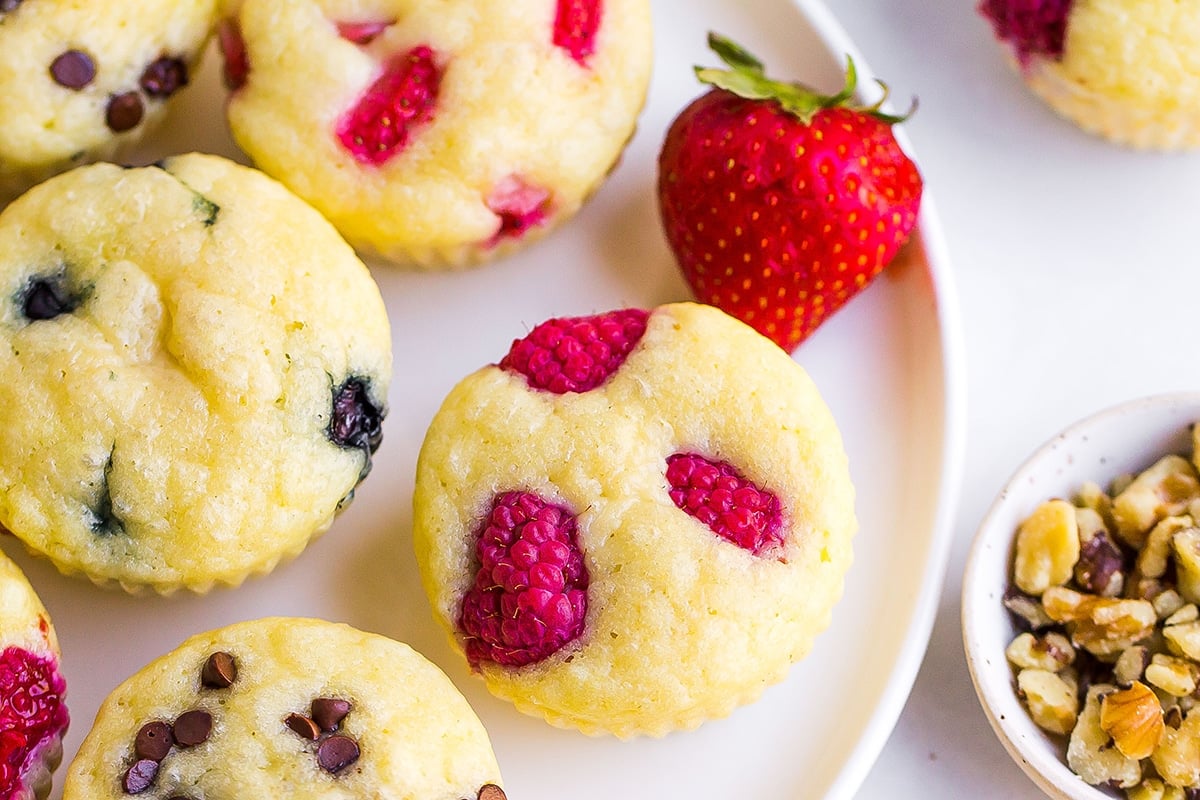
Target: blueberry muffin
{"type": "Point", "coordinates": [193, 366]}
{"type": "Point", "coordinates": [439, 133]}
{"type": "Point", "coordinates": [33, 715]}
{"type": "Point", "coordinates": [1127, 71]}
{"type": "Point", "coordinates": [296, 708]}
{"type": "Point", "coordinates": [635, 521]}
{"type": "Point", "coordinates": [78, 80]}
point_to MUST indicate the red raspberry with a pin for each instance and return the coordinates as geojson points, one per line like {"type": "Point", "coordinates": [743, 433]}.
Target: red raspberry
{"type": "Point", "coordinates": [362, 32]}
{"type": "Point", "coordinates": [576, 354]}
{"type": "Point", "coordinates": [733, 507]}
{"type": "Point", "coordinates": [575, 26]}
{"type": "Point", "coordinates": [519, 205]}
{"type": "Point", "coordinates": [32, 717]}
{"type": "Point", "coordinates": [1032, 27]}
{"type": "Point", "coordinates": [530, 593]}
{"type": "Point", "coordinates": [233, 48]}
{"type": "Point", "coordinates": [400, 100]}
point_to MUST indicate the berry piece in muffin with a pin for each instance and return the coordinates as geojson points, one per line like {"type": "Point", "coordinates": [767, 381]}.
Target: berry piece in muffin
{"type": "Point", "coordinates": [33, 712]}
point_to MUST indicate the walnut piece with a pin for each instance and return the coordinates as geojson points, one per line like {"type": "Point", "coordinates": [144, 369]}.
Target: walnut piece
{"type": "Point", "coordinates": [1047, 547]}
{"type": "Point", "coordinates": [1133, 718]}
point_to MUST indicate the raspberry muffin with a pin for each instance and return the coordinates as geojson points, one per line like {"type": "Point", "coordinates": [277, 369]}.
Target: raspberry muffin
{"type": "Point", "coordinates": [194, 367]}
{"type": "Point", "coordinates": [438, 133]}
{"type": "Point", "coordinates": [1127, 71]}
{"type": "Point", "coordinates": [77, 80]}
{"type": "Point", "coordinates": [33, 716]}
{"type": "Point", "coordinates": [636, 521]}
{"type": "Point", "coordinates": [296, 708]}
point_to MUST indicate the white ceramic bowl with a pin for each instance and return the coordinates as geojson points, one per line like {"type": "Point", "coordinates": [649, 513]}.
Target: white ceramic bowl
{"type": "Point", "coordinates": [1123, 439]}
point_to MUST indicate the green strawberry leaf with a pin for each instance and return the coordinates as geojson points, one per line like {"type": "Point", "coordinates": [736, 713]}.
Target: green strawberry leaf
{"type": "Point", "coordinates": [733, 54]}
{"type": "Point", "coordinates": [746, 78]}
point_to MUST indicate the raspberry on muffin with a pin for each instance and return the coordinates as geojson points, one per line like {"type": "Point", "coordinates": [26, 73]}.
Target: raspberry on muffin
{"type": "Point", "coordinates": [635, 521]}
{"type": "Point", "coordinates": [201, 366]}
{"type": "Point", "coordinates": [438, 134]}
{"type": "Point", "coordinates": [285, 707]}
{"type": "Point", "coordinates": [33, 712]}
{"type": "Point", "coordinates": [1127, 72]}
{"type": "Point", "coordinates": [79, 80]}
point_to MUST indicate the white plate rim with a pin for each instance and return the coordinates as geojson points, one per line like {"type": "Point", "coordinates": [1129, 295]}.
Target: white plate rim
{"type": "Point", "coordinates": [907, 663]}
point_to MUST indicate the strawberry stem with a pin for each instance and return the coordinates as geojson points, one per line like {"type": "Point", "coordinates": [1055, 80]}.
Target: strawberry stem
{"type": "Point", "coordinates": [746, 77]}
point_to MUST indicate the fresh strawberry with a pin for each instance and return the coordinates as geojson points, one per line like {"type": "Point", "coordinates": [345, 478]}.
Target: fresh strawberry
{"type": "Point", "coordinates": [780, 203]}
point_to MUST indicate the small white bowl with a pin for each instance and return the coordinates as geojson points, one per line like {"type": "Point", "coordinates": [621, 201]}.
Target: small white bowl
{"type": "Point", "coordinates": [1124, 439]}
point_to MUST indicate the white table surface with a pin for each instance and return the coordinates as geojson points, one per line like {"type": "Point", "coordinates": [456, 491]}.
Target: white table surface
{"type": "Point", "coordinates": [1077, 275]}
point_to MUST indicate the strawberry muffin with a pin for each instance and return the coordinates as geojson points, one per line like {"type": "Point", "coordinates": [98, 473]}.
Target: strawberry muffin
{"type": "Point", "coordinates": [635, 521]}
{"type": "Point", "coordinates": [296, 708]}
{"type": "Point", "coordinates": [33, 717]}
{"type": "Point", "coordinates": [193, 366]}
{"type": "Point", "coordinates": [1129, 72]}
{"type": "Point", "coordinates": [78, 80]}
{"type": "Point", "coordinates": [441, 133]}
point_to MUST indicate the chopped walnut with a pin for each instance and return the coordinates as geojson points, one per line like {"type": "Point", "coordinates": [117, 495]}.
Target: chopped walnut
{"type": "Point", "coordinates": [1175, 676]}
{"type": "Point", "coordinates": [1133, 718]}
{"type": "Point", "coordinates": [1152, 560]}
{"type": "Point", "coordinates": [1047, 547]}
{"type": "Point", "coordinates": [1164, 490]}
{"type": "Point", "coordinates": [1051, 652]}
{"type": "Point", "coordinates": [1053, 702]}
{"type": "Point", "coordinates": [1131, 665]}
{"type": "Point", "coordinates": [1101, 625]}
{"type": "Point", "coordinates": [1177, 757]}
{"type": "Point", "coordinates": [1090, 752]}
{"type": "Point", "coordinates": [1185, 546]}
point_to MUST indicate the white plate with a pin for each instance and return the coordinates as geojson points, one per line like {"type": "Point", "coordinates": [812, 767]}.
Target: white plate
{"type": "Point", "coordinates": [888, 365]}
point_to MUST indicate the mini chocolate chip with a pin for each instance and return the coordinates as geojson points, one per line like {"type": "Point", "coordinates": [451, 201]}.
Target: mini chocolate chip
{"type": "Point", "coordinates": [328, 712]}
{"type": "Point", "coordinates": [124, 112]}
{"type": "Point", "coordinates": [73, 69]}
{"type": "Point", "coordinates": [303, 726]}
{"type": "Point", "coordinates": [219, 672]}
{"type": "Point", "coordinates": [164, 77]}
{"type": "Point", "coordinates": [490, 791]}
{"type": "Point", "coordinates": [193, 728]}
{"type": "Point", "coordinates": [336, 753]}
{"type": "Point", "coordinates": [48, 297]}
{"type": "Point", "coordinates": [153, 741]}
{"type": "Point", "coordinates": [140, 776]}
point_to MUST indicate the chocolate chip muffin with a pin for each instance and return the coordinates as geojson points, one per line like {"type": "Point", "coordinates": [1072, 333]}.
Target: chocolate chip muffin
{"type": "Point", "coordinates": [33, 714]}
{"type": "Point", "coordinates": [77, 80]}
{"type": "Point", "coordinates": [444, 133]}
{"type": "Point", "coordinates": [635, 521]}
{"type": "Point", "coordinates": [296, 708]}
{"type": "Point", "coordinates": [193, 371]}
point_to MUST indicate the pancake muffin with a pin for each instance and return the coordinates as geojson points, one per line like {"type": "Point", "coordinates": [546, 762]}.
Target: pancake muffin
{"type": "Point", "coordinates": [296, 708]}
{"type": "Point", "coordinates": [1127, 71]}
{"type": "Point", "coordinates": [193, 372]}
{"type": "Point", "coordinates": [635, 521]}
{"type": "Point", "coordinates": [33, 715]}
{"type": "Point", "coordinates": [78, 80]}
{"type": "Point", "coordinates": [438, 133]}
